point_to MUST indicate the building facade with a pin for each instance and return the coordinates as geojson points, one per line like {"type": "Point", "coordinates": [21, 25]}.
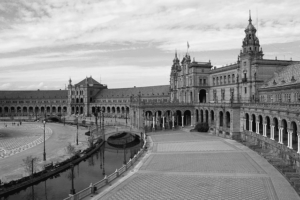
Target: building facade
{"type": "Point", "coordinates": [253, 94]}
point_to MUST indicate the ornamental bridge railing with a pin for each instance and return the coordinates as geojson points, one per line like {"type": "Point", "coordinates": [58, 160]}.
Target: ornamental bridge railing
{"type": "Point", "coordinates": [93, 188]}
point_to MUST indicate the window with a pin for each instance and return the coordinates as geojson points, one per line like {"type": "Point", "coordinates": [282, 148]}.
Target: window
{"type": "Point", "coordinates": [200, 81]}
{"type": "Point", "coordinates": [245, 90]}
{"type": "Point", "coordinates": [214, 81]}
{"type": "Point", "coordinates": [217, 80]}
{"type": "Point", "coordinates": [223, 94]}
{"type": "Point", "coordinates": [233, 78]}
{"type": "Point", "coordinates": [204, 81]}
{"type": "Point", "coordinates": [228, 78]}
{"type": "Point", "coordinates": [245, 63]}
{"type": "Point", "coordinates": [221, 80]}
{"type": "Point", "coordinates": [224, 79]}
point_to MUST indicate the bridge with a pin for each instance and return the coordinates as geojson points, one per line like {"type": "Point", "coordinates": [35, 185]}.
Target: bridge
{"type": "Point", "coordinates": [119, 129]}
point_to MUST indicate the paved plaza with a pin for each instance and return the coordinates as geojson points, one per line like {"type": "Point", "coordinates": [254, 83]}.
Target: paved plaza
{"type": "Point", "coordinates": [184, 165]}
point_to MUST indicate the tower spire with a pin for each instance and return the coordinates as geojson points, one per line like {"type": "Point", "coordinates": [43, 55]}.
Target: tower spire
{"type": "Point", "coordinates": [250, 20]}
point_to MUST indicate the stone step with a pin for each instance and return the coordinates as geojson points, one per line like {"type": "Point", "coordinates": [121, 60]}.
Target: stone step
{"type": "Point", "coordinates": [284, 170]}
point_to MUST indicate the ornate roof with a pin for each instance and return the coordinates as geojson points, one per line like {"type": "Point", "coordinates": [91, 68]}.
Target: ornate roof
{"type": "Point", "coordinates": [152, 91]}
{"type": "Point", "coordinates": [287, 76]}
{"type": "Point", "coordinates": [36, 94]}
{"type": "Point", "coordinates": [89, 81]}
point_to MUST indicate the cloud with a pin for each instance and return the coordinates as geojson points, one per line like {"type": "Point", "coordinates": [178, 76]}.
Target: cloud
{"type": "Point", "coordinates": [63, 37]}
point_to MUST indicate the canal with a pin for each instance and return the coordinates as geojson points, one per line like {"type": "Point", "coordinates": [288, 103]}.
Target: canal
{"type": "Point", "coordinates": [103, 162]}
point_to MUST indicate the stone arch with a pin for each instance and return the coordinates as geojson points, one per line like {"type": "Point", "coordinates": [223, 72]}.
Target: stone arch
{"type": "Point", "coordinates": [247, 118]}
{"type": "Point", "coordinates": [268, 127]}
{"type": "Point", "coordinates": [201, 115]}
{"type": "Point", "coordinates": [294, 129]}
{"type": "Point", "coordinates": [206, 115]}
{"type": "Point", "coordinates": [93, 110]}
{"type": "Point", "coordinates": [284, 125]}
{"type": "Point", "coordinates": [260, 125]}
{"type": "Point", "coordinates": [108, 109]}
{"type": "Point", "coordinates": [212, 116]}
{"type": "Point", "coordinates": [187, 118]}
{"type": "Point", "coordinates": [276, 129]}
{"type": "Point", "coordinates": [24, 109]}
{"type": "Point", "coordinates": [77, 100]}
{"type": "Point", "coordinates": [81, 109]}
{"type": "Point", "coordinates": [228, 119]}
{"type": "Point", "coordinates": [123, 110]}
{"type": "Point", "coordinates": [118, 110]}
{"type": "Point", "coordinates": [65, 109]}
{"type": "Point", "coordinates": [54, 109]}
{"type": "Point", "coordinates": [6, 110]}
{"type": "Point", "coordinates": [221, 117]}
{"type": "Point", "coordinates": [168, 118]}
{"type": "Point", "coordinates": [59, 109]}
{"type": "Point", "coordinates": [202, 96]}
{"type": "Point", "coordinates": [178, 115]}
{"type": "Point", "coordinates": [197, 115]}
{"type": "Point", "coordinates": [253, 116]}
{"type": "Point", "coordinates": [48, 109]}
{"type": "Point", "coordinates": [113, 109]}
{"type": "Point", "coordinates": [30, 109]}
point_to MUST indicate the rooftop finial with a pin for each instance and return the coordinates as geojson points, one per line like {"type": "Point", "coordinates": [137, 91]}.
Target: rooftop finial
{"type": "Point", "coordinates": [175, 53]}
{"type": "Point", "coordinates": [250, 20]}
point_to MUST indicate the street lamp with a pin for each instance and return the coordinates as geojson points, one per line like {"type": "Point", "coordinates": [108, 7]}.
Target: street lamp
{"type": "Point", "coordinates": [44, 155]}
{"type": "Point", "coordinates": [77, 129]}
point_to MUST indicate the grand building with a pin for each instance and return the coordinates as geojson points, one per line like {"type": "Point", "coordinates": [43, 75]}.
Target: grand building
{"type": "Point", "coordinates": [253, 95]}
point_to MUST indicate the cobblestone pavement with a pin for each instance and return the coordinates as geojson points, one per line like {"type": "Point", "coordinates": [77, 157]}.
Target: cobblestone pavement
{"type": "Point", "coordinates": [185, 165]}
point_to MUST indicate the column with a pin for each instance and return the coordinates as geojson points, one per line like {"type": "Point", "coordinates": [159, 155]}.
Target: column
{"type": "Point", "coordinates": [265, 130]}
{"type": "Point", "coordinates": [298, 143]}
{"type": "Point", "coordinates": [173, 120]}
{"type": "Point", "coordinates": [182, 120]}
{"type": "Point", "coordinates": [290, 139]}
{"type": "Point", "coordinates": [250, 125]}
{"type": "Point", "coordinates": [280, 135]}
{"type": "Point", "coordinates": [163, 122]}
{"type": "Point", "coordinates": [191, 120]}
{"type": "Point", "coordinates": [272, 132]}
{"type": "Point", "coordinates": [257, 127]}
{"type": "Point", "coordinates": [153, 122]}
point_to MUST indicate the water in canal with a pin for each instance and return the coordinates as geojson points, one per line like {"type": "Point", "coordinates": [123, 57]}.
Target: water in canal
{"type": "Point", "coordinates": [105, 161]}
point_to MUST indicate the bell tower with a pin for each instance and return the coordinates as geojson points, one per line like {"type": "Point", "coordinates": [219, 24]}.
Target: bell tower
{"type": "Point", "coordinates": [251, 42]}
{"type": "Point", "coordinates": [174, 77]}
{"type": "Point", "coordinates": [251, 51]}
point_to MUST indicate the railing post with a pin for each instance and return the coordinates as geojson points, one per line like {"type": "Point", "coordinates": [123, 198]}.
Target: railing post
{"type": "Point", "coordinates": [106, 180]}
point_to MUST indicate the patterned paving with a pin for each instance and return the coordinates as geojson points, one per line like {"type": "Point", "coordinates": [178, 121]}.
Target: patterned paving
{"type": "Point", "coordinates": [20, 138]}
{"type": "Point", "coordinates": [200, 166]}
{"type": "Point", "coordinates": [175, 136]}
{"type": "Point", "coordinates": [151, 186]}
{"type": "Point", "coordinates": [193, 146]}
{"type": "Point", "coordinates": [234, 162]}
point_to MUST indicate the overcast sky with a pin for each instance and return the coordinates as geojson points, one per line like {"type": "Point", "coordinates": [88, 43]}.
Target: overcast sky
{"type": "Point", "coordinates": [131, 43]}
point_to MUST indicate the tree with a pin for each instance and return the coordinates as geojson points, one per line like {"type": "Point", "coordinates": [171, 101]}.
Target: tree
{"type": "Point", "coordinates": [70, 149]}
{"type": "Point", "coordinates": [30, 164]}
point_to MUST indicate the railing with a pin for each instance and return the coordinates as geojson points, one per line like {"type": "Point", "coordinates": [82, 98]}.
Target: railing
{"type": "Point", "coordinates": [107, 179]}
{"type": "Point", "coordinates": [275, 106]}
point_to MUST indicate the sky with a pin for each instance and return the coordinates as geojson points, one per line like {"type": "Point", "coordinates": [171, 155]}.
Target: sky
{"type": "Point", "coordinates": [44, 43]}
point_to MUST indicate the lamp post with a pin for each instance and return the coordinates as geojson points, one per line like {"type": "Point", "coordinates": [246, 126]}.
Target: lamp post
{"type": "Point", "coordinates": [44, 154]}
{"type": "Point", "coordinates": [77, 129]}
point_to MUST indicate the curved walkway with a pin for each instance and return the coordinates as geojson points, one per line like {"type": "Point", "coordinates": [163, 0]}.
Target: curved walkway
{"type": "Point", "coordinates": [184, 165]}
